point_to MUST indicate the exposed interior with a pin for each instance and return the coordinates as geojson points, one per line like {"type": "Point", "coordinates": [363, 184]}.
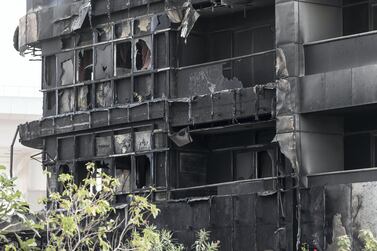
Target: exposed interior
{"type": "Point", "coordinates": [233, 34]}
{"type": "Point", "coordinates": [336, 18]}
{"type": "Point", "coordinates": [217, 158]}
{"type": "Point", "coordinates": [85, 65]}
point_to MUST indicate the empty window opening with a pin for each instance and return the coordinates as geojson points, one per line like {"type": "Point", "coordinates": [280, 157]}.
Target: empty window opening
{"type": "Point", "coordinates": [245, 166]}
{"type": "Point", "coordinates": [123, 29]}
{"type": "Point", "coordinates": [50, 71]}
{"type": "Point", "coordinates": [81, 172]}
{"type": "Point", "coordinates": [123, 93]}
{"type": "Point", "coordinates": [67, 43]}
{"type": "Point", "coordinates": [264, 165]}
{"type": "Point", "coordinates": [123, 58]}
{"type": "Point", "coordinates": [143, 55]}
{"type": "Point", "coordinates": [143, 171]}
{"type": "Point", "coordinates": [123, 174]}
{"type": "Point", "coordinates": [50, 101]}
{"type": "Point", "coordinates": [85, 65]}
{"type": "Point", "coordinates": [104, 33]}
{"type": "Point", "coordinates": [85, 38]}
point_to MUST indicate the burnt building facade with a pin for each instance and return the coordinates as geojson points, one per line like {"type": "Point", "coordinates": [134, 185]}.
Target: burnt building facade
{"type": "Point", "coordinates": [252, 119]}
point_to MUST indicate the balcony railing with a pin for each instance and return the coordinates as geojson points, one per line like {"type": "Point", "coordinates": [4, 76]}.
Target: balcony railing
{"type": "Point", "coordinates": [341, 53]}
{"type": "Point", "coordinates": [231, 73]}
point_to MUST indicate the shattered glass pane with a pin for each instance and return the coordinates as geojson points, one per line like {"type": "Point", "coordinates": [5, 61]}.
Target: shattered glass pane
{"type": "Point", "coordinates": [143, 54]}
{"type": "Point", "coordinates": [67, 72]}
{"type": "Point", "coordinates": [104, 95]}
{"type": "Point", "coordinates": [123, 30]}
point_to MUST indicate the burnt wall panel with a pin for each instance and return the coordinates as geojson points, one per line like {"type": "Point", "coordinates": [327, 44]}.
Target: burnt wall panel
{"type": "Point", "coordinates": [66, 148]}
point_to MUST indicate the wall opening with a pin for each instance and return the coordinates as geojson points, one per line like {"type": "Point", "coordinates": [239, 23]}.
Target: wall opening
{"type": "Point", "coordinates": [123, 174]}
{"type": "Point", "coordinates": [123, 58]}
{"type": "Point", "coordinates": [143, 60]}
{"type": "Point", "coordinates": [85, 65]}
{"type": "Point", "coordinates": [143, 171]}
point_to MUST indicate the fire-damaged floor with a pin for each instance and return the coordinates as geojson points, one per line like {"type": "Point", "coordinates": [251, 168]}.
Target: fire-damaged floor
{"type": "Point", "coordinates": [252, 119]}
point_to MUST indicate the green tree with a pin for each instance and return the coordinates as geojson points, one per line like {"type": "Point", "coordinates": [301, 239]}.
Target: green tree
{"type": "Point", "coordinates": [14, 214]}
{"type": "Point", "coordinates": [368, 240]}
{"type": "Point", "coordinates": [82, 217]}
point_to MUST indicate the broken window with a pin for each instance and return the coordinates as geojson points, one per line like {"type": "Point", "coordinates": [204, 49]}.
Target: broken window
{"type": "Point", "coordinates": [49, 71]}
{"type": "Point", "coordinates": [67, 43]}
{"type": "Point", "coordinates": [123, 58]}
{"type": "Point", "coordinates": [84, 38]}
{"type": "Point", "coordinates": [104, 33]}
{"type": "Point", "coordinates": [123, 94]}
{"type": "Point", "coordinates": [83, 98]}
{"type": "Point", "coordinates": [104, 95]}
{"type": "Point", "coordinates": [103, 62]}
{"type": "Point", "coordinates": [143, 171]}
{"type": "Point", "coordinates": [142, 25]}
{"type": "Point", "coordinates": [245, 166]}
{"type": "Point", "coordinates": [264, 165]}
{"type": "Point", "coordinates": [143, 54]}
{"type": "Point", "coordinates": [50, 103]}
{"type": "Point", "coordinates": [81, 172]}
{"type": "Point", "coordinates": [85, 65]}
{"type": "Point", "coordinates": [123, 174]}
{"type": "Point", "coordinates": [143, 88]}
{"type": "Point", "coordinates": [66, 77]}
{"type": "Point", "coordinates": [123, 30]}
{"type": "Point", "coordinates": [66, 100]}
{"type": "Point", "coordinates": [192, 169]}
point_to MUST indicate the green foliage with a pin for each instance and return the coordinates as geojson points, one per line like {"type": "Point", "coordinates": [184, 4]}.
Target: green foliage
{"type": "Point", "coordinates": [368, 240]}
{"type": "Point", "coordinates": [305, 247]}
{"type": "Point", "coordinates": [13, 213]}
{"type": "Point", "coordinates": [82, 217]}
{"type": "Point", "coordinates": [343, 243]}
{"type": "Point", "coordinates": [203, 243]}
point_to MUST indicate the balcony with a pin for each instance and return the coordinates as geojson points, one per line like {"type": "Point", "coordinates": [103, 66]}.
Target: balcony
{"type": "Point", "coordinates": [340, 73]}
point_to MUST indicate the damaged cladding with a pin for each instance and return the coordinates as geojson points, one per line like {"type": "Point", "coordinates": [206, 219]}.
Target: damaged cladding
{"type": "Point", "coordinates": [220, 105]}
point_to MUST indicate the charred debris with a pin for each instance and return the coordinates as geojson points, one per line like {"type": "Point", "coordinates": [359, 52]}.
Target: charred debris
{"type": "Point", "coordinates": [251, 118]}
